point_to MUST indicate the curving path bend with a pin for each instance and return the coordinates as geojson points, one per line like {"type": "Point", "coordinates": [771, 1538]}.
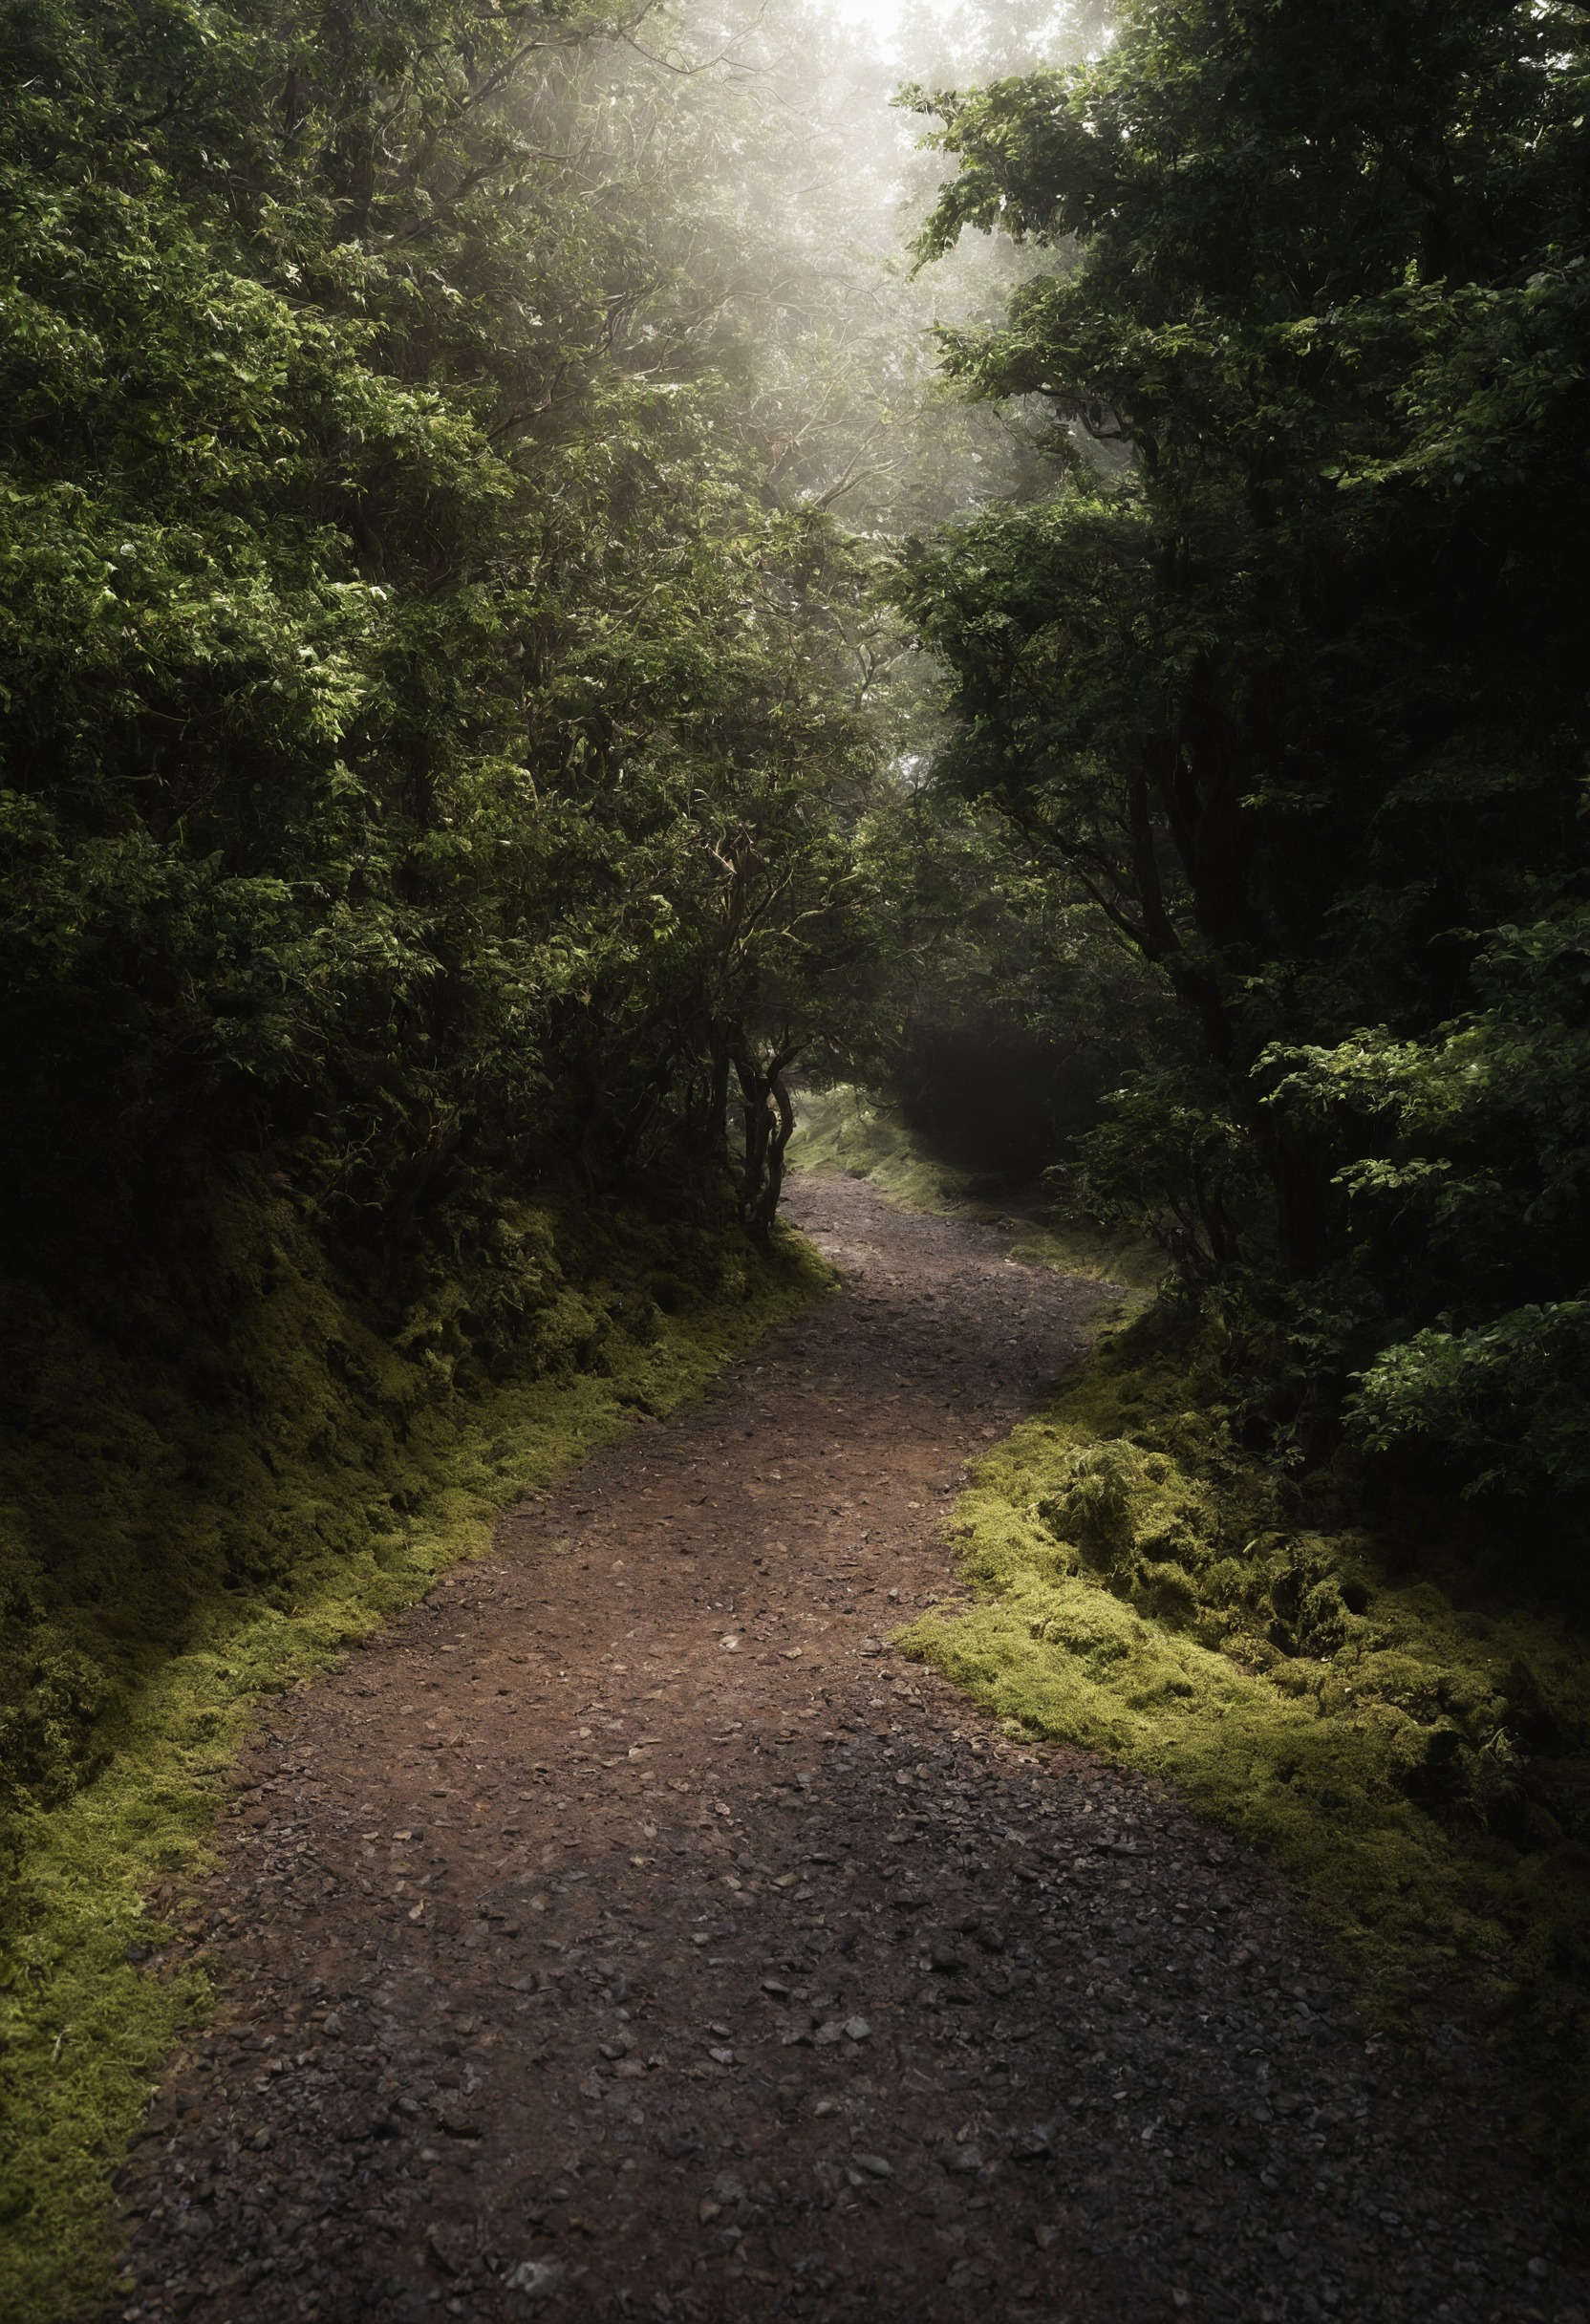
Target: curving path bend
{"type": "Point", "coordinates": [627, 1933]}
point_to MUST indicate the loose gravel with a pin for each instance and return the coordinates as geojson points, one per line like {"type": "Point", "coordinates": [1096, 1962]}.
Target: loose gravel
{"type": "Point", "coordinates": [629, 1933]}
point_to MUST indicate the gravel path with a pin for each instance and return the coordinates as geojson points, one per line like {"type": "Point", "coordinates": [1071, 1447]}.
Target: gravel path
{"type": "Point", "coordinates": [627, 1933]}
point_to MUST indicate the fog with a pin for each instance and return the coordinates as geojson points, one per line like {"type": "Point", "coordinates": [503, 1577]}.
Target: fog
{"type": "Point", "coordinates": [768, 157]}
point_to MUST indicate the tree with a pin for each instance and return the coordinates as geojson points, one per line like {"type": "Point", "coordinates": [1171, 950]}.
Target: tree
{"type": "Point", "coordinates": [407, 646]}
{"type": "Point", "coordinates": [1287, 669]}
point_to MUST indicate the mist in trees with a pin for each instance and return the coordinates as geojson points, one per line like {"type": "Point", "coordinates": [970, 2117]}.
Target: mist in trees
{"type": "Point", "coordinates": [441, 649]}
{"type": "Point", "coordinates": [564, 566]}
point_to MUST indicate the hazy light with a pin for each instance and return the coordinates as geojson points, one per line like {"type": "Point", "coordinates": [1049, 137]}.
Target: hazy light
{"type": "Point", "coordinates": [879, 21]}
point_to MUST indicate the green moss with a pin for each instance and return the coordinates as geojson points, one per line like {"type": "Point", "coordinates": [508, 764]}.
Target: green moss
{"type": "Point", "coordinates": [1414, 1756]}
{"type": "Point", "coordinates": [208, 1483]}
{"type": "Point", "coordinates": [842, 1132]}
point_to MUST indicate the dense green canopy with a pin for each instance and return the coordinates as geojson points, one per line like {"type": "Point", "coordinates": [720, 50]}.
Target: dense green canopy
{"type": "Point", "coordinates": [1288, 671]}
{"type": "Point", "coordinates": [431, 747]}
{"type": "Point", "coordinates": [452, 735]}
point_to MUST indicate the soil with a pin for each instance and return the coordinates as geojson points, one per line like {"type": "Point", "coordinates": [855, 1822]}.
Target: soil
{"type": "Point", "coordinates": [630, 1932]}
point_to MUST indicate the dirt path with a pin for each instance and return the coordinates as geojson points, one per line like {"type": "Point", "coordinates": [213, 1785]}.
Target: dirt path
{"type": "Point", "coordinates": [628, 1934]}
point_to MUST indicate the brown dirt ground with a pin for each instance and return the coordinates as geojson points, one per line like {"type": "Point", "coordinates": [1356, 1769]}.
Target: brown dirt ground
{"type": "Point", "coordinates": [628, 1933]}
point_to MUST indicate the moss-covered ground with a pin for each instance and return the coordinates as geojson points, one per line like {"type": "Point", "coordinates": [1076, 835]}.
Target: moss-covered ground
{"type": "Point", "coordinates": [213, 1472]}
{"type": "Point", "coordinates": [1385, 1708]}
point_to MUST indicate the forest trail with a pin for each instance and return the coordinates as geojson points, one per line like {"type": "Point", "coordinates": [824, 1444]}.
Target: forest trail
{"type": "Point", "coordinates": [627, 1933]}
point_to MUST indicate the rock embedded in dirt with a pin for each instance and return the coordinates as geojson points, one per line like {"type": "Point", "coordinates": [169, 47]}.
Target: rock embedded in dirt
{"type": "Point", "coordinates": [1137, 2094]}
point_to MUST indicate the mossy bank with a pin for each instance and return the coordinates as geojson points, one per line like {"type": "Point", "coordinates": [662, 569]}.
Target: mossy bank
{"type": "Point", "coordinates": [214, 1469]}
{"type": "Point", "coordinates": [1415, 1758]}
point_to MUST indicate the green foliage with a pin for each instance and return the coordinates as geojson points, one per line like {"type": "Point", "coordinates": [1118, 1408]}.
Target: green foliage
{"type": "Point", "coordinates": [429, 745]}
{"type": "Point", "coordinates": [1004, 1011]}
{"type": "Point", "coordinates": [1283, 674]}
{"type": "Point", "coordinates": [1506, 1398]}
{"type": "Point", "coordinates": [1379, 1709]}
{"type": "Point", "coordinates": [1165, 1157]}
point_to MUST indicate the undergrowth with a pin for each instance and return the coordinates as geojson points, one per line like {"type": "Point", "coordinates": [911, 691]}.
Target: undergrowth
{"type": "Point", "coordinates": [1372, 1705]}
{"type": "Point", "coordinates": [213, 1474]}
{"type": "Point", "coordinates": [841, 1131]}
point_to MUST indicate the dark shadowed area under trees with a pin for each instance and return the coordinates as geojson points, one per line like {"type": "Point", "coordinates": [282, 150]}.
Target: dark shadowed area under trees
{"type": "Point", "coordinates": [600, 603]}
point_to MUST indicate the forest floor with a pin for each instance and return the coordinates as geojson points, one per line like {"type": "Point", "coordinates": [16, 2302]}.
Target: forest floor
{"type": "Point", "coordinates": [628, 1932]}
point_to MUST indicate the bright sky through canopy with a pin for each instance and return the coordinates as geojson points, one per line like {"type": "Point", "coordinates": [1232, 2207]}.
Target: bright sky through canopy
{"type": "Point", "coordinates": [879, 20]}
